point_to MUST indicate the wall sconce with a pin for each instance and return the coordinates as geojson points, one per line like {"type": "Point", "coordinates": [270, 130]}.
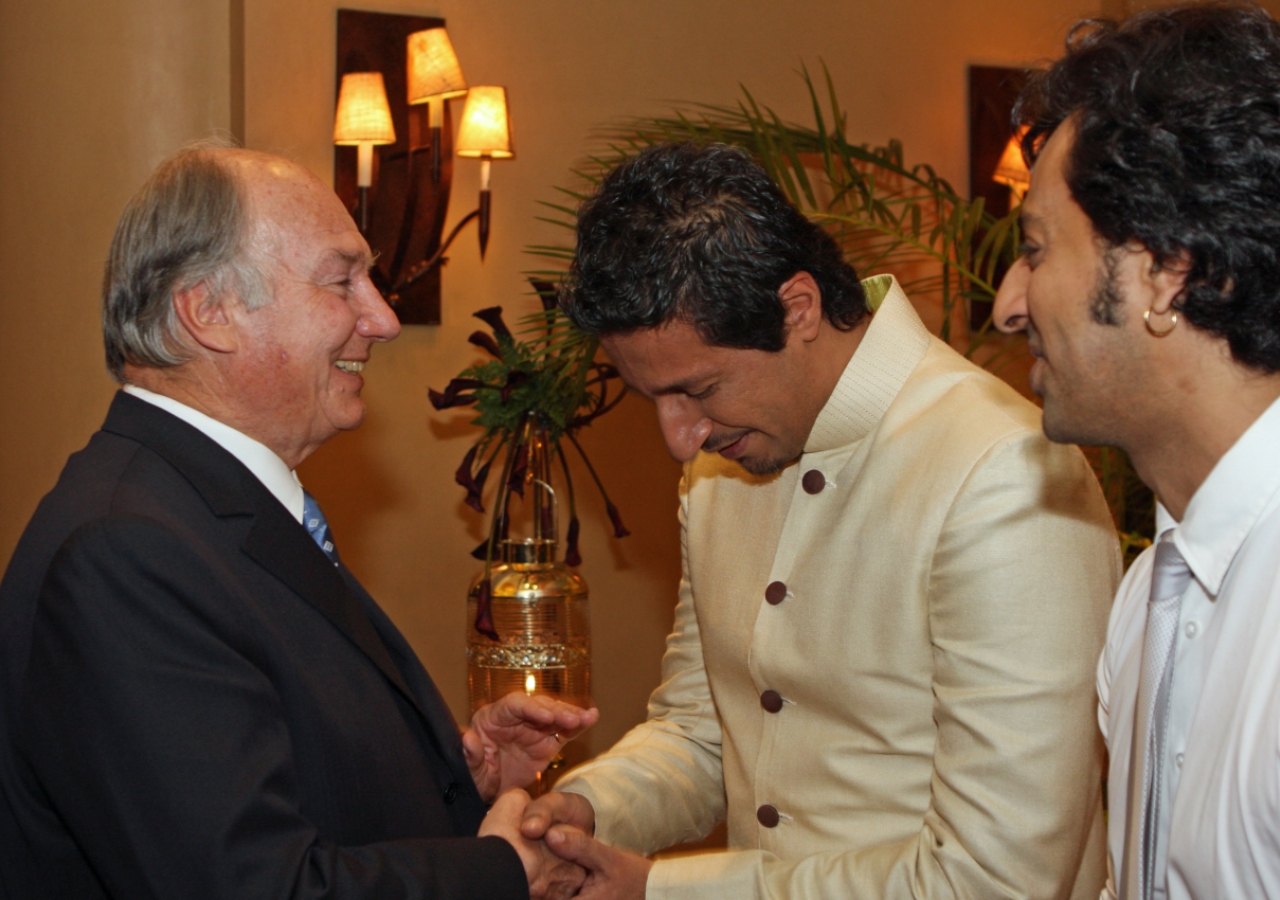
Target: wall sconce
{"type": "Point", "coordinates": [402, 209]}
{"type": "Point", "coordinates": [485, 134]}
{"type": "Point", "coordinates": [1012, 170]}
{"type": "Point", "coordinates": [363, 120]}
{"type": "Point", "coordinates": [434, 77]}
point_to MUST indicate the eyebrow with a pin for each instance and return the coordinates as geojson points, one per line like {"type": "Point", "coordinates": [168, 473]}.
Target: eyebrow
{"type": "Point", "coordinates": [1029, 218]}
{"type": "Point", "coordinates": [679, 387]}
{"type": "Point", "coordinates": [350, 257]}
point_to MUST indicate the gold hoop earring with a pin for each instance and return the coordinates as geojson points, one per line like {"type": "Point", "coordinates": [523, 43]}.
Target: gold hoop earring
{"type": "Point", "coordinates": [1173, 323]}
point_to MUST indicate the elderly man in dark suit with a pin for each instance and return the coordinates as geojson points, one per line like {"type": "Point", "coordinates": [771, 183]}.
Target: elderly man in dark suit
{"type": "Point", "coordinates": [198, 699]}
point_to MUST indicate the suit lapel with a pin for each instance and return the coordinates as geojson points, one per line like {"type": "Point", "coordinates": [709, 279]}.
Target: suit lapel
{"type": "Point", "coordinates": [444, 730]}
{"type": "Point", "coordinates": [275, 541]}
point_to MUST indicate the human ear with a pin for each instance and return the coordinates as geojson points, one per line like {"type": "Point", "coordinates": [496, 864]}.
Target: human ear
{"type": "Point", "coordinates": [204, 318]}
{"type": "Point", "coordinates": [802, 299]}
{"type": "Point", "coordinates": [1165, 283]}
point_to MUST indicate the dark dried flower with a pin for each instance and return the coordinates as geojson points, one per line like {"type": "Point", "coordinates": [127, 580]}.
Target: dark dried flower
{"type": "Point", "coordinates": [571, 555]}
{"type": "Point", "coordinates": [484, 610]}
{"type": "Point", "coordinates": [452, 395]}
{"type": "Point", "coordinates": [547, 293]}
{"type": "Point", "coordinates": [486, 342]}
{"type": "Point", "coordinates": [514, 380]}
{"type": "Point", "coordinates": [519, 469]}
{"type": "Point", "coordinates": [619, 530]}
{"type": "Point", "coordinates": [473, 484]}
{"type": "Point", "coordinates": [492, 316]}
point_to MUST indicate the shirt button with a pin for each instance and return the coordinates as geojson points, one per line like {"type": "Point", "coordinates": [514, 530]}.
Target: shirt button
{"type": "Point", "coordinates": [813, 481]}
{"type": "Point", "coordinates": [451, 792]}
{"type": "Point", "coordinates": [1178, 759]}
{"type": "Point", "coordinates": [768, 816]}
{"type": "Point", "coordinates": [775, 593]}
{"type": "Point", "coordinates": [1192, 629]}
{"type": "Point", "coordinates": [771, 701]}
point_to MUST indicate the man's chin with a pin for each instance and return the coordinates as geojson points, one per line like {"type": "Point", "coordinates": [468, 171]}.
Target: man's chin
{"type": "Point", "coordinates": [761, 466]}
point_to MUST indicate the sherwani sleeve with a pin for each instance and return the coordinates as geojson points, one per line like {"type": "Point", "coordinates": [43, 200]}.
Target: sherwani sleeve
{"type": "Point", "coordinates": [1018, 592]}
{"type": "Point", "coordinates": [662, 783]}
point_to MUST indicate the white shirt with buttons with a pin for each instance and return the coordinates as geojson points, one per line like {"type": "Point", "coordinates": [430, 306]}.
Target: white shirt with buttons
{"type": "Point", "coordinates": [1218, 833]}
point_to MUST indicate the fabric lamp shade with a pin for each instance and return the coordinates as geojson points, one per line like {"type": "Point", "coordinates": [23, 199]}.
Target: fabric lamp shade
{"type": "Point", "coordinates": [433, 67]}
{"type": "Point", "coordinates": [485, 129]}
{"type": "Point", "coordinates": [363, 114]}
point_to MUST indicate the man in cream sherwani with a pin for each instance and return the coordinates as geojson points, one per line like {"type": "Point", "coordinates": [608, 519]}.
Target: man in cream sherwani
{"type": "Point", "coordinates": [895, 588]}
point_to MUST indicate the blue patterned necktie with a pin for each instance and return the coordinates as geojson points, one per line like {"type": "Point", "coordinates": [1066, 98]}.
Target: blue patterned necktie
{"type": "Point", "coordinates": [1169, 578]}
{"type": "Point", "coordinates": [318, 526]}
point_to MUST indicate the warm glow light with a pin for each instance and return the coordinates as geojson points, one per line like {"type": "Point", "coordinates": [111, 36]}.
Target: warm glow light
{"type": "Point", "coordinates": [363, 114]}
{"type": "Point", "coordinates": [433, 67]}
{"type": "Point", "coordinates": [530, 683]}
{"type": "Point", "coordinates": [485, 129]}
{"type": "Point", "coordinates": [1012, 169]}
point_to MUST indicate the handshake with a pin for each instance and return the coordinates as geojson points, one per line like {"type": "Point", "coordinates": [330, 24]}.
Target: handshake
{"type": "Point", "coordinates": [508, 744]}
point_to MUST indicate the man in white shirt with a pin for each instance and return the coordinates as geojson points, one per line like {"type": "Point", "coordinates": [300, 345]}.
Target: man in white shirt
{"type": "Point", "coordinates": [198, 699]}
{"type": "Point", "coordinates": [1149, 288]}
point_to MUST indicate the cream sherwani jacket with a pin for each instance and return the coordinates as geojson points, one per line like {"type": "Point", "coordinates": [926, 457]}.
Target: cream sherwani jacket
{"type": "Point", "coordinates": [947, 593]}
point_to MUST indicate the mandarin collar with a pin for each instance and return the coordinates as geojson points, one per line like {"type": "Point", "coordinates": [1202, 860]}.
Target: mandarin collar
{"type": "Point", "coordinates": [895, 342]}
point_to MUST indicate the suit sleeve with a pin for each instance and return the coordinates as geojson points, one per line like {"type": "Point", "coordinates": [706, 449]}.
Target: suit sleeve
{"type": "Point", "coordinates": [137, 700]}
{"type": "Point", "coordinates": [662, 784]}
{"type": "Point", "coordinates": [1022, 578]}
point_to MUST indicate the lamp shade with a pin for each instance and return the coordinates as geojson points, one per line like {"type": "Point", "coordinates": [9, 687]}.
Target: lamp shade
{"type": "Point", "coordinates": [433, 67]}
{"type": "Point", "coordinates": [1012, 168]}
{"type": "Point", "coordinates": [363, 114]}
{"type": "Point", "coordinates": [485, 129]}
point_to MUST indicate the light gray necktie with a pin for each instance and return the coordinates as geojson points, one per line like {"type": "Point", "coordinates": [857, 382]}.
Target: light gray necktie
{"type": "Point", "coordinates": [1151, 717]}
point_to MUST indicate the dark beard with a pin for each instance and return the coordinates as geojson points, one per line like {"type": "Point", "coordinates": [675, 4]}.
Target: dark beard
{"type": "Point", "coordinates": [1105, 303]}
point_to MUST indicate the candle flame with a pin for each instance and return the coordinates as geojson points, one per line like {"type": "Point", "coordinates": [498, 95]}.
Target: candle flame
{"type": "Point", "coordinates": [530, 683]}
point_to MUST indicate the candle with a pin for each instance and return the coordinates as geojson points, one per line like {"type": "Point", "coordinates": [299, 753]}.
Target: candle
{"type": "Point", "coordinates": [530, 683]}
{"type": "Point", "coordinates": [364, 167]}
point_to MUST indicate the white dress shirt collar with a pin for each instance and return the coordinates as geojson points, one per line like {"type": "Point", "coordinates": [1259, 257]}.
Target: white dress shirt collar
{"type": "Point", "coordinates": [1225, 509]}
{"type": "Point", "coordinates": [257, 457]}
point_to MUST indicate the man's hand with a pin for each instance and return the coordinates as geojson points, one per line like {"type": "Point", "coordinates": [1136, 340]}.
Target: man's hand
{"type": "Point", "coordinates": [557, 808]}
{"type": "Point", "coordinates": [612, 874]}
{"type": "Point", "coordinates": [512, 739]}
{"type": "Point", "coordinates": [550, 877]}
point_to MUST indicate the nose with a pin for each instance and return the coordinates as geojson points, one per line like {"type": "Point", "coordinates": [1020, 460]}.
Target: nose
{"type": "Point", "coordinates": [1010, 311]}
{"type": "Point", "coordinates": [684, 427]}
{"type": "Point", "coordinates": [378, 321]}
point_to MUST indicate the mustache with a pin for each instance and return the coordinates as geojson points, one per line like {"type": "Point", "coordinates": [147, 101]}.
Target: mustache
{"type": "Point", "coordinates": [717, 442]}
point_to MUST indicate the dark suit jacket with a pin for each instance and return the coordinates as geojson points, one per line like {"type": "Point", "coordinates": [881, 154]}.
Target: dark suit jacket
{"type": "Point", "coordinates": [196, 703]}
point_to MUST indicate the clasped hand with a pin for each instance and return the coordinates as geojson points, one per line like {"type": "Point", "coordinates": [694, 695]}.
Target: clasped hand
{"type": "Point", "coordinates": [513, 739]}
{"type": "Point", "coordinates": [565, 823]}
{"type": "Point", "coordinates": [509, 742]}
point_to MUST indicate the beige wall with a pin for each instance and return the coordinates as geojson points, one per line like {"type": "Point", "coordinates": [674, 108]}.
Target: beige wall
{"type": "Point", "coordinates": [92, 94]}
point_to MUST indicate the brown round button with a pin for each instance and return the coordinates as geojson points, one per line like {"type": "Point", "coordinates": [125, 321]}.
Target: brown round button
{"type": "Point", "coordinates": [813, 481]}
{"type": "Point", "coordinates": [775, 593]}
{"type": "Point", "coordinates": [771, 701]}
{"type": "Point", "coordinates": [768, 816]}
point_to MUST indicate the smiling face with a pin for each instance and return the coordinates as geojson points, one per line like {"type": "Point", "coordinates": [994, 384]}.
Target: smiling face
{"type": "Point", "coordinates": [1075, 298]}
{"type": "Point", "coordinates": [298, 369]}
{"type": "Point", "coordinates": [751, 406]}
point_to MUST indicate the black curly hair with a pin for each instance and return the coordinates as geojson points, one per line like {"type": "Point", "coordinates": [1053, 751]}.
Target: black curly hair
{"type": "Point", "coordinates": [1177, 118]}
{"type": "Point", "coordinates": [700, 234]}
